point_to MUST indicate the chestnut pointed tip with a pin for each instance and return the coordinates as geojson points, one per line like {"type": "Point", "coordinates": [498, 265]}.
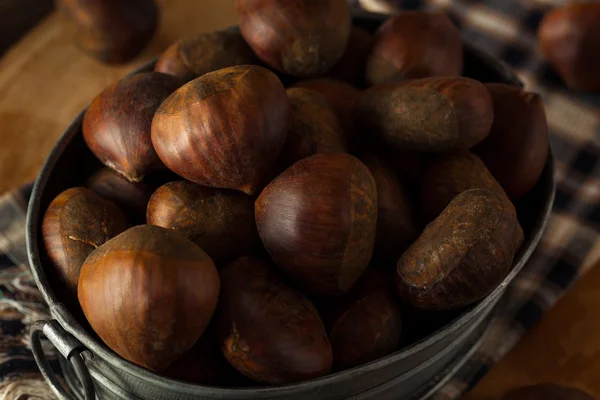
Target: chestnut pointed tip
{"type": "Point", "coordinates": [248, 189]}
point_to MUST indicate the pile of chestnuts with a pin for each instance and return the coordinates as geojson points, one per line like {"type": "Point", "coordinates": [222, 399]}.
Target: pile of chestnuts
{"type": "Point", "coordinates": [293, 224]}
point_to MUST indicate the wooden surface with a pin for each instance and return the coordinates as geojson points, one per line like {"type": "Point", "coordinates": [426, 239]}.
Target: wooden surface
{"type": "Point", "coordinates": [45, 81]}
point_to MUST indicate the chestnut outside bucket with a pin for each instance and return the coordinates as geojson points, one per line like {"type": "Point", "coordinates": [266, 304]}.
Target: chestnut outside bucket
{"type": "Point", "coordinates": [414, 372]}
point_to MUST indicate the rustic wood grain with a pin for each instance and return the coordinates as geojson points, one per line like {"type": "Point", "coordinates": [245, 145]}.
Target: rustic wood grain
{"type": "Point", "coordinates": [45, 81]}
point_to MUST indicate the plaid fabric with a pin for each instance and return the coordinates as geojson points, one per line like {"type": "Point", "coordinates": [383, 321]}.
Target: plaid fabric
{"type": "Point", "coordinates": [571, 245]}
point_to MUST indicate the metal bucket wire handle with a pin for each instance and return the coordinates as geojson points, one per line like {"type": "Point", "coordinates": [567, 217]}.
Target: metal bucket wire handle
{"type": "Point", "coordinates": [70, 348]}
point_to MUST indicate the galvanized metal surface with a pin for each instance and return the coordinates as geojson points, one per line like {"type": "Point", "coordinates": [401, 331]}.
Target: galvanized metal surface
{"type": "Point", "coordinates": [408, 374]}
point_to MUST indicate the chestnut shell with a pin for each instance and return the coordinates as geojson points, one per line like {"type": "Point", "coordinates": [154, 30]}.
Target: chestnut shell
{"type": "Point", "coordinates": [224, 129]}
{"type": "Point", "coordinates": [415, 44]}
{"type": "Point", "coordinates": [149, 293]}
{"type": "Point", "coordinates": [317, 220]}
{"type": "Point", "coordinates": [431, 114]}
{"type": "Point", "coordinates": [516, 149]}
{"type": "Point", "coordinates": [220, 222]}
{"type": "Point", "coordinates": [269, 331]}
{"type": "Point", "coordinates": [462, 255]}
{"type": "Point", "coordinates": [364, 324]}
{"type": "Point", "coordinates": [569, 37]}
{"type": "Point", "coordinates": [197, 55]}
{"type": "Point", "coordinates": [116, 125]}
{"type": "Point", "coordinates": [299, 38]}
{"type": "Point", "coordinates": [77, 222]}
{"type": "Point", "coordinates": [313, 127]}
{"type": "Point", "coordinates": [111, 31]}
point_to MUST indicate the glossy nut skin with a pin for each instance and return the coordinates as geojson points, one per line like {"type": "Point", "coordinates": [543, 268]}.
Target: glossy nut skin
{"type": "Point", "coordinates": [415, 44]}
{"type": "Point", "coordinates": [317, 220]}
{"type": "Point", "coordinates": [111, 31]}
{"type": "Point", "coordinates": [569, 37]}
{"type": "Point", "coordinates": [299, 38]}
{"type": "Point", "coordinates": [364, 324]}
{"type": "Point", "coordinates": [194, 56]}
{"type": "Point", "coordinates": [313, 127]}
{"type": "Point", "coordinates": [430, 114]}
{"type": "Point", "coordinates": [131, 197]}
{"type": "Point", "coordinates": [448, 176]}
{"type": "Point", "coordinates": [351, 67]}
{"type": "Point", "coordinates": [224, 129]}
{"type": "Point", "coordinates": [343, 98]}
{"type": "Point", "coordinates": [462, 255]}
{"type": "Point", "coordinates": [220, 222]}
{"type": "Point", "coordinates": [516, 149]}
{"type": "Point", "coordinates": [546, 391]}
{"type": "Point", "coordinates": [149, 293]}
{"type": "Point", "coordinates": [116, 125]}
{"type": "Point", "coordinates": [269, 331]}
{"type": "Point", "coordinates": [396, 223]}
{"type": "Point", "coordinates": [77, 222]}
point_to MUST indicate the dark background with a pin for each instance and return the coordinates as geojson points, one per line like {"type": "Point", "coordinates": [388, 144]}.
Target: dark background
{"type": "Point", "coordinates": [19, 16]}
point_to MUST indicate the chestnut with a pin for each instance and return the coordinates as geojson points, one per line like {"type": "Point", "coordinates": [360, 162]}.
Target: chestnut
{"type": "Point", "coordinates": [351, 67]}
{"type": "Point", "coordinates": [267, 330]}
{"type": "Point", "coordinates": [547, 391]}
{"type": "Point", "coordinates": [313, 127]}
{"type": "Point", "coordinates": [569, 37]}
{"type": "Point", "coordinates": [516, 149]}
{"type": "Point", "coordinates": [111, 31]}
{"type": "Point", "coordinates": [299, 38]}
{"type": "Point", "coordinates": [131, 197]}
{"type": "Point", "coordinates": [194, 56]}
{"type": "Point", "coordinates": [462, 255]}
{"type": "Point", "coordinates": [415, 44]}
{"type": "Point", "coordinates": [220, 222]}
{"type": "Point", "coordinates": [149, 293]}
{"type": "Point", "coordinates": [202, 364]}
{"type": "Point", "coordinates": [224, 129]}
{"type": "Point", "coordinates": [396, 223]}
{"type": "Point", "coordinates": [116, 125]}
{"type": "Point", "coordinates": [448, 176]}
{"type": "Point", "coordinates": [317, 220]}
{"type": "Point", "coordinates": [77, 222]}
{"type": "Point", "coordinates": [343, 98]}
{"type": "Point", "coordinates": [364, 324]}
{"type": "Point", "coordinates": [431, 114]}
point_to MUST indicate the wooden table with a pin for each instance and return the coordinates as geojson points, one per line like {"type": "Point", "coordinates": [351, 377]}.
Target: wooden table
{"type": "Point", "coordinates": [45, 81]}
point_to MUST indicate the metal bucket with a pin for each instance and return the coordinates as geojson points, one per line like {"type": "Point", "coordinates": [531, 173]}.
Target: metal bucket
{"type": "Point", "coordinates": [91, 369]}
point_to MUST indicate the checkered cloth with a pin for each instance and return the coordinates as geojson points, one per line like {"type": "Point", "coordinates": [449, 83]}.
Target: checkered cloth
{"type": "Point", "coordinates": [571, 245]}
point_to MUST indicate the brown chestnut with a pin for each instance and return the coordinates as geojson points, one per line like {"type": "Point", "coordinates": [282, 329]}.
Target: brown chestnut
{"type": "Point", "coordinates": [448, 176]}
{"type": "Point", "coordinates": [415, 44]}
{"type": "Point", "coordinates": [396, 223]}
{"type": "Point", "coordinates": [111, 31]}
{"type": "Point", "coordinates": [547, 391]}
{"type": "Point", "coordinates": [431, 114]}
{"type": "Point", "coordinates": [131, 197]}
{"type": "Point", "coordinates": [203, 363]}
{"type": "Point", "coordinates": [224, 129]}
{"type": "Point", "coordinates": [516, 149]}
{"type": "Point", "coordinates": [299, 38]}
{"type": "Point", "coordinates": [462, 255]}
{"type": "Point", "coordinates": [116, 125]}
{"type": "Point", "coordinates": [313, 127]}
{"type": "Point", "coordinates": [149, 293]}
{"type": "Point", "coordinates": [364, 324]}
{"type": "Point", "coordinates": [317, 220]}
{"type": "Point", "coordinates": [77, 222]}
{"type": "Point", "coordinates": [343, 98]}
{"type": "Point", "coordinates": [269, 331]}
{"type": "Point", "coordinates": [570, 38]}
{"type": "Point", "coordinates": [194, 56]}
{"type": "Point", "coordinates": [351, 67]}
{"type": "Point", "coordinates": [220, 222]}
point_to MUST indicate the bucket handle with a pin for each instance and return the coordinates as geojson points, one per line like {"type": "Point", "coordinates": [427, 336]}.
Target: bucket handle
{"type": "Point", "coordinates": [70, 348]}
